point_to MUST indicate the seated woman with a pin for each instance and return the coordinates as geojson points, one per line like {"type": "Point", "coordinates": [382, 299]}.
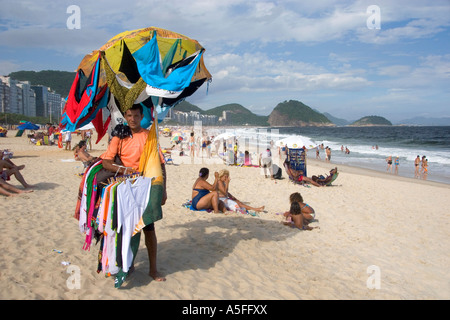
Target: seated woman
{"type": "Point", "coordinates": [8, 168]}
{"type": "Point", "coordinates": [82, 155]}
{"type": "Point", "coordinates": [247, 159]}
{"type": "Point", "coordinates": [204, 194]}
{"type": "Point", "coordinates": [231, 203]}
{"type": "Point", "coordinates": [295, 219]}
{"type": "Point", "coordinates": [297, 175]}
{"type": "Point", "coordinates": [9, 190]}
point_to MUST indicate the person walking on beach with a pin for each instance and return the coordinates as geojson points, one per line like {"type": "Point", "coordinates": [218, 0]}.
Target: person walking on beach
{"type": "Point", "coordinates": [131, 149]}
{"type": "Point", "coordinates": [68, 140]}
{"type": "Point", "coordinates": [397, 163]}
{"type": "Point", "coordinates": [416, 166]}
{"type": "Point", "coordinates": [424, 169]}
{"type": "Point", "coordinates": [265, 162]}
{"type": "Point", "coordinates": [389, 163]}
{"type": "Point", "coordinates": [192, 145]}
{"type": "Point", "coordinates": [328, 154]}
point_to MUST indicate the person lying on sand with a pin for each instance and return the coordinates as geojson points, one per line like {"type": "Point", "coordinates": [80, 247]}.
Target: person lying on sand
{"type": "Point", "coordinates": [231, 203]}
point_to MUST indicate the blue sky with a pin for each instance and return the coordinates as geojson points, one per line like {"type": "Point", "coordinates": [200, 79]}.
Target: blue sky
{"type": "Point", "coordinates": [261, 53]}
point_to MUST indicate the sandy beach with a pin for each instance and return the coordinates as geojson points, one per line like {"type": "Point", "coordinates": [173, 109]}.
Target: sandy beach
{"type": "Point", "coordinates": [380, 237]}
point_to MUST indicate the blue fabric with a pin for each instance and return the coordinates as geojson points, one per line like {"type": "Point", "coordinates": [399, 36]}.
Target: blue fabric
{"type": "Point", "coordinates": [91, 92]}
{"type": "Point", "coordinates": [149, 66]}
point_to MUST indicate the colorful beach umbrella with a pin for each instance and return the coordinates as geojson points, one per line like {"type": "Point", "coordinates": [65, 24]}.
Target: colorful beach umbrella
{"type": "Point", "coordinates": [154, 67]}
{"type": "Point", "coordinates": [177, 138]}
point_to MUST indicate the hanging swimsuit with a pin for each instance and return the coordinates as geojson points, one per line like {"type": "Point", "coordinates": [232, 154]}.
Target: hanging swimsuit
{"type": "Point", "coordinates": [196, 199]}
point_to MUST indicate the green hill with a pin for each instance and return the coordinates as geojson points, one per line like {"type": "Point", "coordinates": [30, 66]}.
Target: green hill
{"type": "Point", "coordinates": [372, 121]}
{"type": "Point", "coordinates": [59, 81]}
{"type": "Point", "coordinates": [185, 106]}
{"type": "Point", "coordinates": [237, 115]}
{"type": "Point", "coordinates": [294, 113]}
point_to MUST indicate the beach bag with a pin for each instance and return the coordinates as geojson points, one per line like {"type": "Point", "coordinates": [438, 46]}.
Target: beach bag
{"type": "Point", "coordinates": [277, 172]}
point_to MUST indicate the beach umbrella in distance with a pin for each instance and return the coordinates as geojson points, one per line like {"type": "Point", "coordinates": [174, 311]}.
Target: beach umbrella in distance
{"type": "Point", "coordinates": [225, 136]}
{"type": "Point", "coordinates": [28, 126]}
{"type": "Point", "coordinates": [154, 67]}
{"type": "Point", "coordinates": [177, 138]}
{"type": "Point", "coordinates": [296, 142]}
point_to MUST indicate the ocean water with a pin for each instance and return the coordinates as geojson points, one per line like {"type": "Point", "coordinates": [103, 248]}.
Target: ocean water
{"type": "Point", "coordinates": [404, 141]}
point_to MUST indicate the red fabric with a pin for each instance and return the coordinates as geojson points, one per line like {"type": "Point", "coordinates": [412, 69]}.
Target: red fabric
{"type": "Point", "coordinates": [99, 126]}
{"type": "Point", "coordinates": [74, 107]}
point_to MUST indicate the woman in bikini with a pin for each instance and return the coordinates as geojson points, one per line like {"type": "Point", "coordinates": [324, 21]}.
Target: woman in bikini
{"type": "Point", "coordinates": [307, 212]}
{"type": "Point", "coordinates": [204, 194]}
{"type": "Point", "coordinates": [231, 203]}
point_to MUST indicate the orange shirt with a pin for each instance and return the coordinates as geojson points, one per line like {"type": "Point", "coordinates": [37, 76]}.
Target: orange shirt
{"type": "Point", "coordinates": [129, 149]}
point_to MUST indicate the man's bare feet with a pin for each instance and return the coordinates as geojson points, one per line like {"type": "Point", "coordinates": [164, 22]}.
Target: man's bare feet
{"type": "Point", "coordinates": [157, 277]}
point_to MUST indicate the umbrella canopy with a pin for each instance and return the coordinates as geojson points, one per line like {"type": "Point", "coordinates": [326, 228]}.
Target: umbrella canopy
{"type": "Point", "coordinates": [28, 126]}
{"type": "Point", "coordinates": [177, 138]}
{"type": "Point", "coordinates": [296, 142]}
{"type": "Point", "coordinates": [153, 67]}
{"type": "Point", "coordinates": [225, 136]}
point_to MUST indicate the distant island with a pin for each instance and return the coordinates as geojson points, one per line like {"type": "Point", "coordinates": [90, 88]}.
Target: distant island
{"type": "Point", "coordinates": [371, 121]}
{"type": "Point", "coordinates": [290, 113]}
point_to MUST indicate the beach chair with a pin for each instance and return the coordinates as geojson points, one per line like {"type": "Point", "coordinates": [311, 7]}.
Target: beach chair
{"type": "Point", "coordinates": [168, 158]}
{"type": "Point", "coordinates": [328, 180]}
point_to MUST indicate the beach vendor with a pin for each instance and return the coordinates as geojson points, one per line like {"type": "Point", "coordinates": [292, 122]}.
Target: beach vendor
{"type": "Point", "coordinates": [130, 150]}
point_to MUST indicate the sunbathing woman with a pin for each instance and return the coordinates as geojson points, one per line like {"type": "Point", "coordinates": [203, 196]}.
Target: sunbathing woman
{"type": "Point", "coordinates": [231, 203]}
{"type": "Point", "coordinates": [82, 155]}
{"type": "Point", "coordinates": [8, 168]}
{"type": "Point", "coordinates": [9, 190]}
{"type": "Point", "coordinates": [205, 195]}
{"type": "Point", "coordinates": [297, 176]}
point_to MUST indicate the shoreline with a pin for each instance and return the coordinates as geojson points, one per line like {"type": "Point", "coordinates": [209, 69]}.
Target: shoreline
{"type": "Point", "coordinates": [378, 174]}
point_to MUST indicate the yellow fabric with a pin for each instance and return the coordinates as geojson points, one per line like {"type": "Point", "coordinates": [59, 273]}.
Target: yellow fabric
{"type": "Point", "coordinates": [125, 96]}
{"type": "Point", "coordinates": [150, 162]}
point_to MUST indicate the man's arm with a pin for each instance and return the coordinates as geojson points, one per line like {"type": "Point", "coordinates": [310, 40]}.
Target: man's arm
{"type": "Point", "coordinates": [109, 165]}
{"type": "Point", "coordinates": [164, 198]}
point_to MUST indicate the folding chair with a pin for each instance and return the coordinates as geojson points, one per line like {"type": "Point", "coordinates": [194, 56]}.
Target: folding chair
{"type": "Point", "coordinates": [168, 158]}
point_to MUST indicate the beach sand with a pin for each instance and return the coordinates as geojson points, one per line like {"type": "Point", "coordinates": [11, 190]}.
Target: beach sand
{"type": "Point", "coordinates": [373, 226]}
